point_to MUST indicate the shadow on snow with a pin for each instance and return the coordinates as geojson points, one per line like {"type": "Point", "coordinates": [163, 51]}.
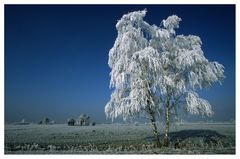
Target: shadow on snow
{"type": "Point", "coordinates": [207, 136]}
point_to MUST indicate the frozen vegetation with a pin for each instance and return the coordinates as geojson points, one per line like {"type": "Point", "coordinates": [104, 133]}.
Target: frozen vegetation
{"type": "Point", "coordinates": [155, 72]}
{"type": "Point", "coordinates": [203, 138]}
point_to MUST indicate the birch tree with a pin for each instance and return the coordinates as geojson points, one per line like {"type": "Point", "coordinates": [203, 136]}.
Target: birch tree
{"type": "Point", "coordinates": [154, 70]}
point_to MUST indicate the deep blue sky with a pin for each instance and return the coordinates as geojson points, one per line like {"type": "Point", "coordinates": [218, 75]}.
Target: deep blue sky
{"type": "Point", "coordinates": [56, 56]}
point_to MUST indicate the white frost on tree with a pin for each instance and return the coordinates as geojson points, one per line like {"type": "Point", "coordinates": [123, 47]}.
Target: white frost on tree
{"type": "Point", "coordinates": [154, 70]}
{"type": "Point", "coordinates": [196, 105]}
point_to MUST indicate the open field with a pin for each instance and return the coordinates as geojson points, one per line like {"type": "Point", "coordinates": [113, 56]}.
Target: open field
{"type": "Point", "coordinates": [189, 138]}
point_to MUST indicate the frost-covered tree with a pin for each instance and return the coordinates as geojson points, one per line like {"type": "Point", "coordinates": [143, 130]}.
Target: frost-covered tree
{"type": "Point", "coordinates": [154, 70]}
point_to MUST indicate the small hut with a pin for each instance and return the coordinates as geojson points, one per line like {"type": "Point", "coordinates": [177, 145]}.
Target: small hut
{"type": "Point", "coordinates": [83, 120]}
{"type": "Point", "coordinates": [71, 122]}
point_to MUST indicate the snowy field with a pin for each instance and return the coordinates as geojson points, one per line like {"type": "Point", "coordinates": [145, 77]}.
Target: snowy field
{"type": "Point", "coordinates": [190, 138]}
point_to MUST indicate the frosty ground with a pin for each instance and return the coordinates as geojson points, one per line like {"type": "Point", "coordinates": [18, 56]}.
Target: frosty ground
{"type": "Point", "coordinates": [188, 138]}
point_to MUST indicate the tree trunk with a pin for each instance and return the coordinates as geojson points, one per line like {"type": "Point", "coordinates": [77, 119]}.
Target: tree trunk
{"type": "Point", "coordinates": [154, 128]}
{"type": "Point", "coordinates": [167, 120]}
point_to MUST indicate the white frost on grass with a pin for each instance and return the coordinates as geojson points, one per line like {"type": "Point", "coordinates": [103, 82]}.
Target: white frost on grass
{"type": "Point", "coordinates": [107, 138]}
